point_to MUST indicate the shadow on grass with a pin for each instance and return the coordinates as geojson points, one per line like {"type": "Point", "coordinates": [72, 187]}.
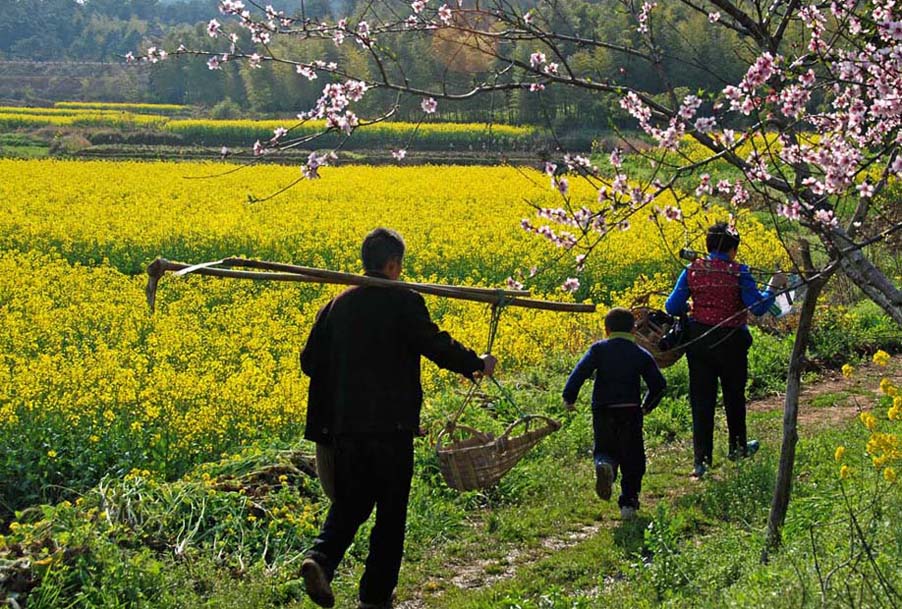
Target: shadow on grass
{"type": "Point", "coordinates": [629, 535]}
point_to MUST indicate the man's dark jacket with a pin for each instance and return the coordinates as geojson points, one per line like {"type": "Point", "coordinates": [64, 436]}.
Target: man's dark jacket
{"type": "Point", "coordinates": [363, 360]}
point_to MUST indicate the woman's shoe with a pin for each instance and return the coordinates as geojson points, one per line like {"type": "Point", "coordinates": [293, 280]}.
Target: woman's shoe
{"type": "Point", "coordinates": [751, 447]}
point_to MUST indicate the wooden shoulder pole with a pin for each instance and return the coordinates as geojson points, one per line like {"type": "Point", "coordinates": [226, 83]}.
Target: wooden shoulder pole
{"type": "Point", "coordinates": [287, 272]}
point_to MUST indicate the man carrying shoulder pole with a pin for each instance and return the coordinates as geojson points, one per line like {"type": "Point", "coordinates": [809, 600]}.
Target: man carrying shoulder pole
{"type": "Point", "coordinates": [363, 360]}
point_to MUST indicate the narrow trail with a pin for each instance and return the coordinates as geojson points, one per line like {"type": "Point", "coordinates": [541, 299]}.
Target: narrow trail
{"type": "Point", "coordinates": [831, 400]}
{"type": "Point", "coordinates": [477, 574]}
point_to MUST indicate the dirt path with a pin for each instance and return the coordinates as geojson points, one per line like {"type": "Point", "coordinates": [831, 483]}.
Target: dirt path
{"type": "Point", "coordinates": [482, 573]}
{"type": "Point", "coordinates": [833, 399]}
{"type": "Point", "coordinates": [829, 401]}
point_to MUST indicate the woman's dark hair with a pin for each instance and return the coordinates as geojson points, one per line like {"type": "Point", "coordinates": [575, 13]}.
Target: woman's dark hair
{"type": "Point", "coordinates": [619, 320]}
{"type": "Point", "coordinates": [721, 238]}
{"type": "Point", "coordinates": [380, 246]}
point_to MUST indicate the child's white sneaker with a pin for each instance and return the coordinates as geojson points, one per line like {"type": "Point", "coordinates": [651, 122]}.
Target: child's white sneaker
{"type": "Point", "coordinates": [627, 512]}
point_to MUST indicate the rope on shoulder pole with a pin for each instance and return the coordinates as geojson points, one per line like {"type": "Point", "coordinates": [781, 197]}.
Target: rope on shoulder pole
{"type": "Point", "coordinates": [160, 266]}
{"type": "Point", "coordinates": [451, 423]}
{"type": "Point", "coordinates": [479, 460]}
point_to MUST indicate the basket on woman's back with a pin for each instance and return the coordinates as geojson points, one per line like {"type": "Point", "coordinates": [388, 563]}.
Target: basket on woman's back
{"type": "Point", "coordinates": [652, 326]}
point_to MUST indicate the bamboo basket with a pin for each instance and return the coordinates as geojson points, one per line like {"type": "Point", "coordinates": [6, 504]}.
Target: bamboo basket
{"type": "Point", "coordinates": [649, 333]}
{"type": "Point", "coordinates": [479, 460]}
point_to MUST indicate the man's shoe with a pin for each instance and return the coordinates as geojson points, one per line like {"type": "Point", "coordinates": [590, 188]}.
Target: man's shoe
{"type": "Point", "coordinates": [604, 478]}
{"type": "Point", "coordinates": [699, 472]}
{"type": "Point", "coordinates": [627, 512]}
{"type": "Point", "coordinates": [316, 583]}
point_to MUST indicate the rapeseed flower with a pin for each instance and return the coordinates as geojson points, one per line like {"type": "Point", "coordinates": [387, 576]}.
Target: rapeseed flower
{"type": "Point", "coordinates": [868, 420]}
{"type": "Point", "coordinates": [881, 358]}
{"type": "Point", "coordinates": [884, 448]}
{"type": "Point", "coordinates": [895, 411]}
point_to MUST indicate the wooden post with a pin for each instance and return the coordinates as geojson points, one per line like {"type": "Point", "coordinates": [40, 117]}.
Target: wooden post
{"type": "Point", "coordinates": [797, 361]}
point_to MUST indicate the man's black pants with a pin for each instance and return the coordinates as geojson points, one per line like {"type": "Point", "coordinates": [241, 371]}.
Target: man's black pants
{"type": "Point", "coordinates": [619, 442]}
{"type": "Point", "coordinates": [369, 471]}
{"type": "Point", "coordinates": [721, 354]}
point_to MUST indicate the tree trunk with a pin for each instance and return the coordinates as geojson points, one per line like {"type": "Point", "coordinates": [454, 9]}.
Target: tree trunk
{"type": "Point", "coordinates": [871, 280]}
{"type": "Point", "coordinates": [873, 283]}
{"type": "Point", "coordinates": [783, 487]}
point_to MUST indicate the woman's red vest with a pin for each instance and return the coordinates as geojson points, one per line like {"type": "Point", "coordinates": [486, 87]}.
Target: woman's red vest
{"type": "Point", "coordinates": [716, 295]}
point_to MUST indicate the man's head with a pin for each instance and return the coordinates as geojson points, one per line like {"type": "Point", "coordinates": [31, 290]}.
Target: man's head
{"type": "Point", "coordinates": [383, 252]}
{"type": "Point", "coordinates": [722, 239]}
{"type": "Point", "coordinates": [619, 320]}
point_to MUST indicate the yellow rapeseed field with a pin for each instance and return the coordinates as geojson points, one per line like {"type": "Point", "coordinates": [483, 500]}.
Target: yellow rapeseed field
{"type": "Point", "coordinates": [17, 119]}
{"type": "Point", "coordinates": [128, 107]}
{"type": "Point", "coordinates": [243, 132]}
{"type": "Point", "coordinates": [397, 133]}
{"type": "Point", "coordinates": [90, 381]}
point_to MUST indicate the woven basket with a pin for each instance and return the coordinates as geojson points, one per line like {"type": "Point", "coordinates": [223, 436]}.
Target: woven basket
{"type": "Point", "coordinates": [649, 332]}
{"type": "Point", "coordinates": [479, 460]}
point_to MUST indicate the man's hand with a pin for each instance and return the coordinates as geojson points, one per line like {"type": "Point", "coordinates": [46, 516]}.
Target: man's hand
{"type": "Point", "coordinates": [489, 362]}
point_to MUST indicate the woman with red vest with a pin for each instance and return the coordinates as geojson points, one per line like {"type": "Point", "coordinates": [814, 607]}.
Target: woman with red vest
{"type": "Point", "coordinates": [722, 293]}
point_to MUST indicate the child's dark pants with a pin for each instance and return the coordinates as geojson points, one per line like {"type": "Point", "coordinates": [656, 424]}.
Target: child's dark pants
{"type": "Point", "coordinates": [619, 442]}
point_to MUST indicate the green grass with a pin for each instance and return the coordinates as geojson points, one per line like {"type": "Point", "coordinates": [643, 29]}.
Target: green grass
{"type": "Point", "coordinates": [829, 400]}
{"type": "Point", "coordinates": [17, 146]}
{"type": "Point", "coordinates": [705, 555]}
{"type": "Point", "coordinates": [705, 552]}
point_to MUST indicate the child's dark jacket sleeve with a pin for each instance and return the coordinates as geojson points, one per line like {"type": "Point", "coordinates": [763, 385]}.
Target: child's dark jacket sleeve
{"type": "Point", "coordinates": [583, 371]}
{"type": "Point", "coordinates": [655, 382]}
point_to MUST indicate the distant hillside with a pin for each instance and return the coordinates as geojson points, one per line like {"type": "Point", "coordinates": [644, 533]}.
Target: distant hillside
{"type": "Point", "coordinates": [102, 30]}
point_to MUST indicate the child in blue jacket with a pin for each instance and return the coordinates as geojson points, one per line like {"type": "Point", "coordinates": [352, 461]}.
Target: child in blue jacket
{"type": "Point", "coordinates": [617, 410]}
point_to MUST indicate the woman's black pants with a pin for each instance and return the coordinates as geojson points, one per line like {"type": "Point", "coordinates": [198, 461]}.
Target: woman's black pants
{"type": "Point", "coordinates": [717, 354]}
